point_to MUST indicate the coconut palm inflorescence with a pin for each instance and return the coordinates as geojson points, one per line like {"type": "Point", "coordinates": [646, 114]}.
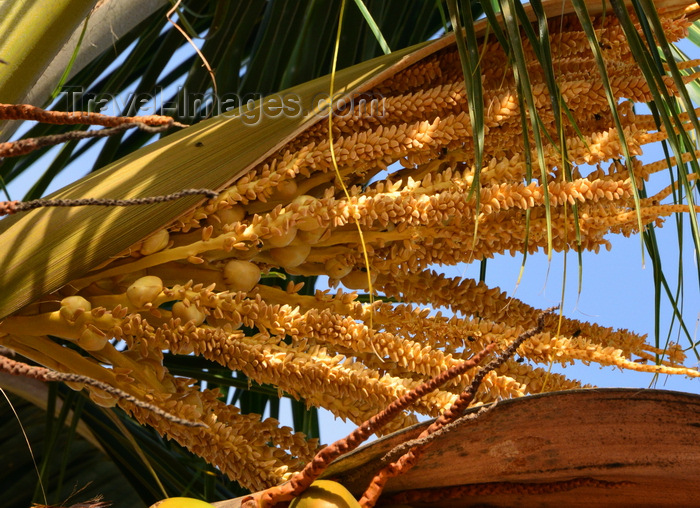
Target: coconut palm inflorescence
{"type": "Point", "coordinates": [198, 286]}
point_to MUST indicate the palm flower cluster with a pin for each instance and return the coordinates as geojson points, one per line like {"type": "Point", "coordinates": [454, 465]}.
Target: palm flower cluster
{"type": "Point", "coordinates": [195, 286]}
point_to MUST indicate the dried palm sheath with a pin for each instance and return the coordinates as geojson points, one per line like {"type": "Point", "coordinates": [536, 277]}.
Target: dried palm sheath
{"type": "Point", "coordinates": [193, 284]}
{"type": "Point", "coordinates": [538, 451]}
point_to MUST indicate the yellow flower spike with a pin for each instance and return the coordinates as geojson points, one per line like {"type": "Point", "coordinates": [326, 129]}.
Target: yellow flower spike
{"type": "Point", "coordinates": [325, 494]}
{"type": "Point", "coordinates": [181, 502]}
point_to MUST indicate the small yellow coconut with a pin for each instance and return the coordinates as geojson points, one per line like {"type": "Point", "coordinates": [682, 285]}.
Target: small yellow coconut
{"type": "Point", "coordinates": [325, 494]}
{"type": "Point", "coordinates": [181, 502]}
{"type": "Point", "coordinates": [144, 291]}
{"type": "Point", "coordinates": [241, 275]}
{"type": "Point", "coordinates": [282, 239]}
{"type": "Point", "coordinates": [313, 236]}
{"type": "Point", "coordinates": [92, 339]}
{"type": "Point", "coordinates": [188, 312]}
{"type": "Point", "coordinates": [310, 222]}
{"type": "Point", "coordinates": [357, 279]}
{"type": "Point", "coordinates": [285, 191]}
{"type": "Point", "coordinates": [156, 242]}
{"type": "Point", "coordinates": [336, 269]}
{"type": "Point", "coordinates": [73, 307]}
{"type": "Point", "coordinates": [290, 256]}
{"type": "Point", "coordinates": [231, 215]}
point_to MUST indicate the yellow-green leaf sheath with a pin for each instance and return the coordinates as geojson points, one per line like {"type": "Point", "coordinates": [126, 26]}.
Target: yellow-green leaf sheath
{"type": "Point", "coordinates": [32, 34]}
